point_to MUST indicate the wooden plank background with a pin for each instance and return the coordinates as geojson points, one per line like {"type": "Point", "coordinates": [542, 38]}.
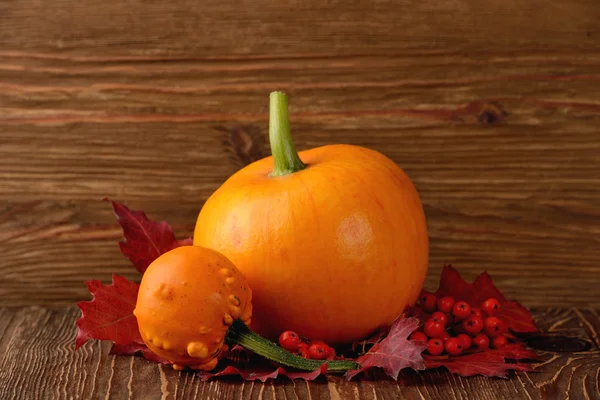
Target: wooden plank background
{"type": "Point", "coordinates": [491, 106]}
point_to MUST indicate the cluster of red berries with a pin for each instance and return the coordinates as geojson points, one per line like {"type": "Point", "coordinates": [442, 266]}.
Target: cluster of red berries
{"type": "Point", "coordinates": [314, 349]}
{"type": "Point", "coordinates": [455, 327]}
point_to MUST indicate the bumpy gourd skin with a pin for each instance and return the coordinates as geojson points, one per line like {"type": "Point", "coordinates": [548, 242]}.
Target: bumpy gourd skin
{"type": "Point", "coordinates": [187, 300]}
{"type": "Point", "coordinates": [332, 251]}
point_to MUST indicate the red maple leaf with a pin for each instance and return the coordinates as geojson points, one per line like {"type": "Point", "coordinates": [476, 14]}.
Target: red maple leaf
{"type": "Point", "coordinates": [145, 240]}
{"type": "Point", "coordinates": [491, 362]}
{"type": "Point", "coordinates": [363, 346]}
{"type": "Point", "coordinates": [488, 363]}
{"type": "Point", "coordinates": [395, 352]}
{"type": "Point", "coordinates": [134, 348]}
{"type": "Point", "coordinates": [262, 373]}
{"type": "Point", "coordinates": [515, 316]}
{"type": "Point", "coordinates": [109, 315]}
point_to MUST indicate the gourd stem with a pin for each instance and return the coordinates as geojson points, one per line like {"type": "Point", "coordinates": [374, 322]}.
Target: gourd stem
{"type": "Point", "coordinates": [239, 333]}
{"type": "Point", "coordinates": [285, 157]}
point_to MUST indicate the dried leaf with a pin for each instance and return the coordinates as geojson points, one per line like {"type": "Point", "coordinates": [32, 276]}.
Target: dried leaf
{"type": "Point", "coordinates": [491, 362]}
{"type": "Point", "coordinates": [145, 240]}
{"type": "Point", "coordinates": [515, 316]}
{"type": "Point", "coordinates": [488, 363]}
{"type": "Point", "coordinates": [251, 372]}
{"type": "Point", "coordinates": [109, 315]}
{"type": "Point", "coordinates": [395, 352]}
{"type": "Point", "coordinates": [133, 348]}
{"type": "Point", "coordinates": [363, 346]}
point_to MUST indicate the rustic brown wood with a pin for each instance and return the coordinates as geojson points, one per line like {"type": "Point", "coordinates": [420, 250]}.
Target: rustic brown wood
{"type": "Point", "coordinates": [37, 360]}
{"type": "Point", "coordinates": [492, 107]}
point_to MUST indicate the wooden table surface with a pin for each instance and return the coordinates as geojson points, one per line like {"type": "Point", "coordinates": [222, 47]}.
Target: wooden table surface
{"type": "Point", "coordinates": [37, 361]}
{"type": "Point", "coordinates": [492, 108]}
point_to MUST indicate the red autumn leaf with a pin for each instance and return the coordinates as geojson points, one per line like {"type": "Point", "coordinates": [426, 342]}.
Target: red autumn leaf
{"type": "Point", "coordinates": [109, 315]}
{"type": "Point", "coordinates": [249, 366]}
{"type": "Point", "coordinates": [488, 363]}
{"type": "Point", "coordinates": [395, 352]}
{"type": "Point", "coordinates": [515, 316]}
{"type": "Point", "coordinates": [131, 349]}
{"type": "Point", "coordinates": [145, 240]}
{"type": "Point", "coordinates": [491, 362]}
{"type": "Point", "coordinates": [361, 347]}
{"type": "Point", "coordinates": [262, 373]}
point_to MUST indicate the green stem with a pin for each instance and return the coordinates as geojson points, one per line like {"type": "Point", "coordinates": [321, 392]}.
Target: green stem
{"type": "Point", "coordinates": [239, 333]}
{"type": "Point", "coordinates": [285, 157]}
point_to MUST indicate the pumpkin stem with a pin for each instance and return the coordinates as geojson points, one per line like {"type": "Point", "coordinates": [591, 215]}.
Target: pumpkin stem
{"type": "Point", "coordinates": [285, 157]}
{"type": "Point", "coordinates": [239, 333]}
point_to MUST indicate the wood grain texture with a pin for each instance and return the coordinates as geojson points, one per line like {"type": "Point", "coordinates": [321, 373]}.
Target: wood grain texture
{"type": "Point", "coordinates": [492, 108]}
{"type": "Point", "coordinates": [37, 360]}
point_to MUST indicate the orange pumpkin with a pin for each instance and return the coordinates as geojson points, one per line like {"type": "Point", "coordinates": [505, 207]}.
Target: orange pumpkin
{"type": "Point", "coordinates": [188, 299]}
{"type": "Point", "coordinates": [333, 240]}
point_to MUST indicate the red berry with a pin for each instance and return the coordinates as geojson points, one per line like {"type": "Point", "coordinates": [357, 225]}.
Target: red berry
{"type": "Point", "coordinates": [434, 329]}
{"type": "Point", "coordinates": [289, 340]}
{"type": "Point", "coordinates": [303, 345]}
{"type": "Point", "coordinates": [493, 327]}
{"type": "Point", "coordinates": [491, 306]}
{"type": "Point", "coordinates": [318, 351]}
{"type": "Point", "coordinates": [465, 341]}
{"type": "Point", "coordinates": [499, 341]}
{"type": "Point", "coordinates": [476, 311]}
{"type": "Point", "coordinates": [461, 310]}
{"type": "Point", "coordinates": [445, 337]}
{"type": "Point", "coordinates": [445, 304]}
{"type": "Point", "coordinates": [418, 337]}
{"type": "Point", "coordinates": [428, 301]}
{"type": "Point", "coordinates": [435, 347]}
{"type": "Point", "coordinates": [440, 317]}
{"type": "Point", "coordinates": [303, 352]}
{"type": "Point", "coordinates": [481, 341]}
{"type": "Point", "coordinates": [473, 324]}
{"type": "Point", "coordinates": [453, 347]}
{"type": "Point", "coordinates": [332, 354]}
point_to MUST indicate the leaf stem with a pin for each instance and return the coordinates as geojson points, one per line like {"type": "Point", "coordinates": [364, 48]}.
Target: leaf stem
{"type": "Point", "coordinates": [239, 333]}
